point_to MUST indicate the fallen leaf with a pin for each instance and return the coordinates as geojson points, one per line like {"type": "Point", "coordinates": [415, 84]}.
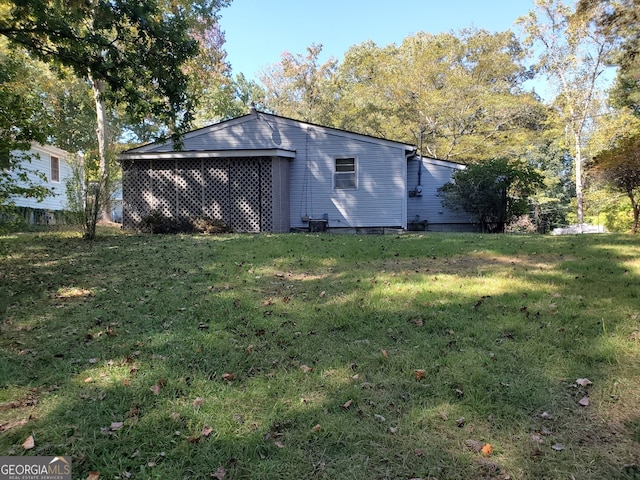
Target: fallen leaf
{"type": "Point", "coordinates": [393, 430]}
{"type": "Point", "coordinates": [206, 431]}
{"type": "Point", "coordinates": [197, 402]}
{"type": "Point", "coordinates": [220, 473]}
{"type": "Point", "coordinates": [385, 353]}
{"type": "Point", "coordinates": [419, 322]}
{"type": "Point", "coordinates": [306, 368]}
{"type": "Point", "coordinates": [175, 416]}
{"type": "Point", "coordinates": [583, 382]}
{"type": "Point", "coordinates": [279, 444]}
{"type": "Point", "coordinates": [558, 447]}
{"type": "Point", "coordinates": [380, 418]}
{"type": "Point", "coordinates": [156, 389]}
{"type": "Point", "coordinates": [418, 452]}
{"type": "Point", "coordinates": [347, 404]}
{"type": "Point", "coordinates": [29, 443]}
{"type": "Point", "coordinates": [474, 445]}
{"type": "Point", "coordinates": [229, 376]}
{"type": "Point", "coordinates": [584, 401]}
{"type": "Point", "coordinates": [93, 476]}
{"type": "Point", "coordinates": [546, 415]}
{"type": "Point", "coordinates": [323, 294]}
{"type": "Point", "coordinates": [116, 426]}
{"type": "Point", "coordinates": [88, 380]}
{"type": "Point", "coordinates": [460, 422]}
{"type": "Point", "coordinates": [355, 377]}
{"type": "Point", "coordinates": [487, 449]}
{"type": "Point", "coordinates": [316, 428]}
{"type": "Point", "coordinates": [419, 374]}
{"type": "Point", "coordinates": [93, 360]}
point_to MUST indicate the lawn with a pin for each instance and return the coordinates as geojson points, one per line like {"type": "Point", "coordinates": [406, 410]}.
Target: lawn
{"type": "Point", "coordinates": [435, 356]}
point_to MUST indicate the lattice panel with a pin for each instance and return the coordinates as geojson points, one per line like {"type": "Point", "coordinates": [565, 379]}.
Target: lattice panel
{"type": "Point", "coordinates": [163, 187]}
{"type": "Point", "coordinates": [136, 192]}
{"type": "Point", "coordinates": [189, 188]}
{"type": "Point", "coordinates": [266, 196]}
{"type": "Point", "coordinates": [216, 190]}
{"type": "Point", "coordinates": [245, 195]}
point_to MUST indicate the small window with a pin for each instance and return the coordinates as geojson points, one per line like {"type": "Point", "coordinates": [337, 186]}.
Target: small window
{"type": "Point", "coordinates": [345, 174]}
{"type": "Point", "coordinates": [55, 169]}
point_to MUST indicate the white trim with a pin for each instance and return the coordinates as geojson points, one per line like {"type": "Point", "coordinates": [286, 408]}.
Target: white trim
{"type": "Point", "coordinates": [272, 152]}
{"type": "Point", "coordinates": [355, 171]}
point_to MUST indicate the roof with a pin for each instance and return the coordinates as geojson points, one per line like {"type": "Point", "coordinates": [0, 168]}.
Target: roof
{"type": "Point", "coordinates": [167, 149]}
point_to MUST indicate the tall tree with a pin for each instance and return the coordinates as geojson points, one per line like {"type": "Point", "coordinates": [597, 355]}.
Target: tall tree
{"type": "Point", "coordinates": [24, 118]}
{"type": "Point", "coordinates": [619, 168]}
{"type": "Point", "coordinates": [460, 96]}
{"type": "Point", "coordinates": [573, 55]}
{"type": "Point", "coordinates": [297, 86]}
{"type": "Point", "coordinates": [130, 51]}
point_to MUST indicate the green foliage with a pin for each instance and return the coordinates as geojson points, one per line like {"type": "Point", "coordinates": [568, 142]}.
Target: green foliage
{"type": "Point", "coordinates": [494, 191]}
{"type": "Point", "coordinates": [136, 48]}
{"type": "Point", "coordinates": [116, 352]}
{"type": "Point", "coordinates": [619, 168]}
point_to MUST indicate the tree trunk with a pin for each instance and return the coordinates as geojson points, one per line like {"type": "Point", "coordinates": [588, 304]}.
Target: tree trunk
{"type": "Point", "coordinates": [98, 87]}
{"type": "Point", "coordinates": [579, 194]}
{"type": "Point", "coordinates": [636, 212]}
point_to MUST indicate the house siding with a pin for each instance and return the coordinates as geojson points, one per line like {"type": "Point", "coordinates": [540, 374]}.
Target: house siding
{"type": "Point", "coordinates": [41, 162]}
{"type": "Point", "coordinates": [427, 210]}
{"type": "Point", "coordinates": [378, 201]}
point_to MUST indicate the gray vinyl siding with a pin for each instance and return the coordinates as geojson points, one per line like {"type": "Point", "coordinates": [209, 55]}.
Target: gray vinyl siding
{"type": "Point", "coordinates": [428, 207]}
{"type": "Point", "coordinates": [380, 199]}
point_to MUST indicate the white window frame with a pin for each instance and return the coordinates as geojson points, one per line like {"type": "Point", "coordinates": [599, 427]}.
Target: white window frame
{"type": "Point", "coordinates": [345, 173]}
{"type": "Point", "coordinates": [55, 178]}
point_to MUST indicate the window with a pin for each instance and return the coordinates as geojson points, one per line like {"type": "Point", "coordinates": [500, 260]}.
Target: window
{"type": "Point", "coordinates": [345, 174]}
{"type": "Point", "coordinates": [55, 169]}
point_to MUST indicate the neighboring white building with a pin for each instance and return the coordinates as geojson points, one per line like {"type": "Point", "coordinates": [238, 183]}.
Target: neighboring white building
{"type": "Point", "coordinates": [53, 162]}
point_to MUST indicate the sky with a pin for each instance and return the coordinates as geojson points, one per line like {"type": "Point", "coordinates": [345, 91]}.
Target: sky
{"type": "Point", "coordinates": [258, 31]}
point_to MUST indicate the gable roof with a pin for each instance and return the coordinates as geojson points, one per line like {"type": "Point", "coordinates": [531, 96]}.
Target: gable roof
{"type": "Point", "coordinates": [192, 141]}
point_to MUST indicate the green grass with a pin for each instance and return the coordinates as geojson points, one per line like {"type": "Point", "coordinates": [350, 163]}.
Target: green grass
{"type": "Point", "coordinates": [294, 356]}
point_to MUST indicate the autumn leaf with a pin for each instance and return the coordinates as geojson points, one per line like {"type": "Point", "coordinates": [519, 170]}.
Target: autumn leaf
{"type": "Point", "coordinates": [156, 389]}
{"type": "Point", "coordinates": [206, 431]}
{"type": "Point", "coordinates": [279, 444]}
{"type": "Point", "coordinates": [88, 380]}
{"type": "Point", "coordinates": [347, 404]}
{"type": "Point", "coordinates": [29, 443]}
{"type": "Point", "coordinates": [385, 353]}
{"type": "Point", "coordinates": [220, 473]}
{"type": "Point", "coordinates": [584, 382]}
{"type": "Point", "coordinates": [558, 447]}
{"type": "Point", "coordinates": [474, 445]}
{"type": "Point", "coordinates": [393, 430]}
{"type": "Point", "coordinates": [229, 376]}
{"type": "Point", "coordinates": [93, 476]}
{"type": "Point", "coordinates": [306, 368]}
{"type": "Point", "coordinates": [487, 449]}
{"type": "Point", "coordinates": [419, 374]}
{"type": "Point", "coordinates": [316, 428]}
{"type": "Point", "coordinates": [584, 402]}
{"type": "Point", "coordinates": [116, 426]}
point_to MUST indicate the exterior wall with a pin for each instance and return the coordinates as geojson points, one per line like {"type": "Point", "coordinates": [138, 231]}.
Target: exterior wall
{"type": "Point", "coordinates": [380, 199]}
{"type": "Point", "coordinates": [239, 191]}
{"type": "Point", "coordinates": [41, 162]}
{"type": "Point", "coordinates": [428, 207]}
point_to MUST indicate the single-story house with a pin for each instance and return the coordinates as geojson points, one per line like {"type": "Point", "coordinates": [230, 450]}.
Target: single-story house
{"type": "Point", "coordinates": [266, 173]}
{"type": "Point", "coordinates": [54, 163]}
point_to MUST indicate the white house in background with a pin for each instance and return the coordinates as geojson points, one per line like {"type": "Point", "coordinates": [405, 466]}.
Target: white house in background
{"type": "Point", "coordinates": [53, 162]}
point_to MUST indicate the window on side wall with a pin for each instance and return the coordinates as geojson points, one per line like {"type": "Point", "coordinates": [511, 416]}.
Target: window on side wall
{"type": "Point", "coordinates": [345, 174]}
{"type": "Point", "coordinates": [55, 169]}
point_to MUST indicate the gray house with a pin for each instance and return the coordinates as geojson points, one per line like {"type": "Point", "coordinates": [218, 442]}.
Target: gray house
{"type": "Point", "coordinates": [266, 173]}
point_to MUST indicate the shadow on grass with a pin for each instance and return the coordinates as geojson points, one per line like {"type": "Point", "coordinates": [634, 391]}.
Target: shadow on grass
{"type": "Point", "coordinates": [304, 352]}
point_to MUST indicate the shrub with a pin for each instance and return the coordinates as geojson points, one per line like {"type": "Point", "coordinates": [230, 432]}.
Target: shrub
{"type": "Point", "coordinates": [156, 222]}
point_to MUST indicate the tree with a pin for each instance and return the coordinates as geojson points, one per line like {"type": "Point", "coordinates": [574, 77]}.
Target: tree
{"type": "Point", "coordinates": [619, 168]}
{"type": "Point", "coordinates": [299, 86]}
{"type": "Point", "coordinates": [131, 53]}
{"type": "Point", "coordinates": [24, 119]}
{"type": "Point", "coordinates": [573, 55]}
{"type": "Point", "coordinates": [494, 191]}
{"type": "Point", "coordinates": [460, 96]}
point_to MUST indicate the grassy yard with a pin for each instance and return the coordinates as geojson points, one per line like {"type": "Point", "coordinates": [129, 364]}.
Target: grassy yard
{"type": "Point", "coordinates": [322, 356]}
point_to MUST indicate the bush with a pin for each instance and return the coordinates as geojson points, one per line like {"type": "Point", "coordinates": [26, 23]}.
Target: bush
{"type": "Point", "coordinates": [156, 222]}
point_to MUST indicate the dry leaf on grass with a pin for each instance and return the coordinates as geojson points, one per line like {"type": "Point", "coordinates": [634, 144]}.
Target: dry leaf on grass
{"type": "Point", "coordinates": [316, 428]}
{"type": "Point", "coordinates": [229, 376]}
{"type": "Point", "coordinates": [347, 404]}
{"type": "Point", "coordinates": [93, 476]}
{"type": "Point", "coordinates": [584, 402]}
{"type": "Point", "coordinates": [29, 443]}
{"type": "Point", "coordinates": [206, 431]}
{"type": "Point", "coordinates": [584, 382]}
{"type": "Point", "coordinates": [306, 368]}
{"type": "Point", "coordinates": [419, 374]}
{"type": "Point", "coordinates": [198, 402]}
{"type": "Point", "coordinates": [220, 473]}
{"type": "Point", "coordinates": [487, 449]}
